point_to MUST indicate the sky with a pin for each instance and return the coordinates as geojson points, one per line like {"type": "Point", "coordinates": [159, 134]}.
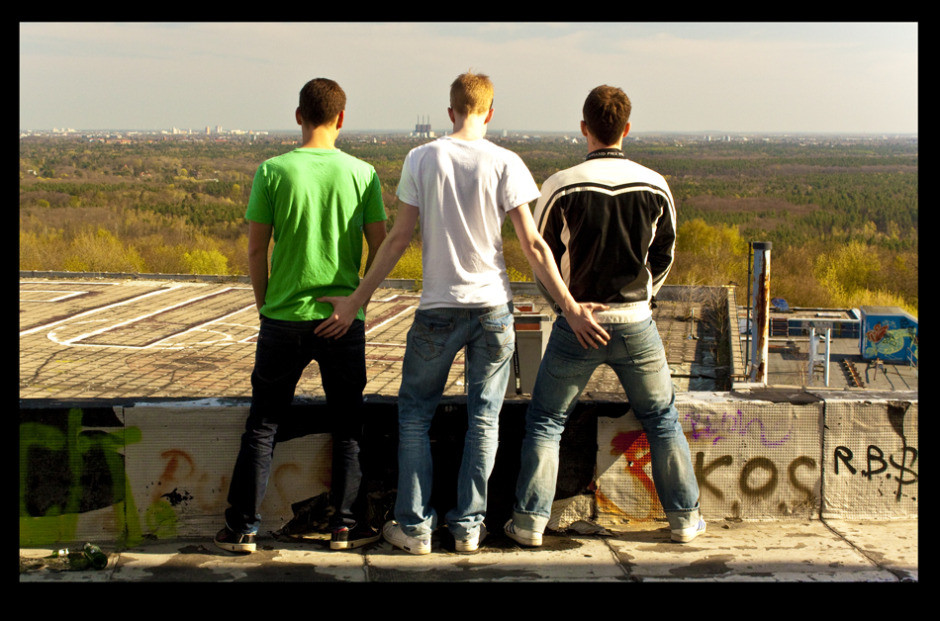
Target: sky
{"type": "Point", "coordinates": [751, 77]}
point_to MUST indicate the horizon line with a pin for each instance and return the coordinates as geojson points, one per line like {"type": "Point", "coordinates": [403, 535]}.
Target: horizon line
{"type": "Point", "coordinates": [491, 132]}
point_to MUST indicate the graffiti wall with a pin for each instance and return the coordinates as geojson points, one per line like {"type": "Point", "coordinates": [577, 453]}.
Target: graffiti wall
{"type": "Point", "coordinates": [126, 474]}
{"type": "Point", "coordinates": [752, 459]}
{"type": "Point", "coordinates": [72, 475]}
{"type": "Point", "coordinates": [761, 460]}
{"type": "Point", "coordinates": [181, 474]}
{"type": "Point", "coordinates": [162, 471]}
{"type": "Point", "coordinates": [872, 465]}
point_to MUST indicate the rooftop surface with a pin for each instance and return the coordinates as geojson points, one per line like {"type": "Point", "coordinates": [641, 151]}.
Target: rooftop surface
{"type": "Point", "coordinates": [109, 338]}
{"type": "Point", "coordinates": [788, 356]}
{"type": "Point", "coordinates": [88, 338]}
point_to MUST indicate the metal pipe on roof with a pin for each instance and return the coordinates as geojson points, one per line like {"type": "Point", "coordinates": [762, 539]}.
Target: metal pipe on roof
{"type": "Point", "coordinates": [760, 326]}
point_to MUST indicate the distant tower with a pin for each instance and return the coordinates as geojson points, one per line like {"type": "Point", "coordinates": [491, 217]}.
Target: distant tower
{"type": "Point", "coordinates": [423, 130]}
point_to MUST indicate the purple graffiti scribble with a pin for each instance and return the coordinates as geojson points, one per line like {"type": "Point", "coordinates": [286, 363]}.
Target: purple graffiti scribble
{"type": "Point", "coordinates": [730, 424]}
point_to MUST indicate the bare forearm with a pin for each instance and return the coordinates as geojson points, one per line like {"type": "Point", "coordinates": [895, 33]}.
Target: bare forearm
{"type": "Point", "coordinates": [389, 251]}
{"type": "Point", "coordinates": [539, 255]}
{"type": "Point", "coordinates": [375, 234]}
{"type": "Point", "coordinates": [540, 258]}
{"type": "Point", "coordinates": [542, 262]}
{"type": "Point", "coordinates": [385, 252]}
{"type": "Point", "coordinates": [258, 272]}
{"type": "Point", "coordinates": [381, 264]}
{"type": "Point", "coordinates": [259, 238]}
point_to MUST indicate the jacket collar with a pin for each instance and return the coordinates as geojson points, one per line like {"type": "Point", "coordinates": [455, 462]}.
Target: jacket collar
{"type": "Point", "coordinates": [608, 152]}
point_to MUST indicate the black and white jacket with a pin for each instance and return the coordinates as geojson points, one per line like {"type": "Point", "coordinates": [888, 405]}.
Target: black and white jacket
{"type": "Point", "coordinates": [611, 225]}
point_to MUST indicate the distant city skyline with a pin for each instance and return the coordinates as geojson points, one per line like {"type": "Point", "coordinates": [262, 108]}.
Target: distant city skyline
{"type": "Point", "coordinates": [737, 77]}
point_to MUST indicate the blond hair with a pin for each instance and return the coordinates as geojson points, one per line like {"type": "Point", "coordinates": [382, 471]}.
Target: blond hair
{"type": "Point", "coordinates": [471, 93]}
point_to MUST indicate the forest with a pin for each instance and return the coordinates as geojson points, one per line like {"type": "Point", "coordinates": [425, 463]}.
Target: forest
{"type": "Point", "coordinates": [841, 213]}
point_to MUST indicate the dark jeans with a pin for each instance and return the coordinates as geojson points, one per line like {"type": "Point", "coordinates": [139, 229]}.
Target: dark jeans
{"type": "Point", "coordinates": [284, 350]}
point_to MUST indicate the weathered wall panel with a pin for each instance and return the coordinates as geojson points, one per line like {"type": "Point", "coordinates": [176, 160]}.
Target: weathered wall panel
{"type": "Point", "coordinates": [157, 471]}
{"type": "Point", "coordinates": [71, 474]}
{"type": "Point", "coordinates": [180, 476]}
{"type": "Point", "coordinates": [871, 451]}
{"type": "Point", "coordinates": [753, 460]}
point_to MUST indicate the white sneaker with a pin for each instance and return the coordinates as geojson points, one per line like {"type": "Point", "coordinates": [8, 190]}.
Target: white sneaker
{"type": "Point", "coordinates": [473, 543]}
{"type": "Point", "coordinates": [522, 536]}
{"type": "Point", "coordinates": [685, 535]}
{"type": "Point", "coordinates": [396, 536]}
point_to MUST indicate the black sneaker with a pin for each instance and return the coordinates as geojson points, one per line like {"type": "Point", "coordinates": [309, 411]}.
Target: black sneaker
{"type": "Point", "coordinates": [233, 542]}
{"type": "Point", "coordinates": [360, 535]}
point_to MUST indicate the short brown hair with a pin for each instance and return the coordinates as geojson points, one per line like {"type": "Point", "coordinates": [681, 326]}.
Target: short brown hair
{"type": "Point", "coordinates": [606, 112]}
{"type": "Point", "coordinates": [471, 93]}
{"type": "Point", "coordinates": [321, 101]}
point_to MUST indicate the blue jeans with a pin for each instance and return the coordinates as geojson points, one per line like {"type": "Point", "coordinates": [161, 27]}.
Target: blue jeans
{"type": "Point", "coordinates": [434, 339]}
{"type": "Point", "coordinates": [284, 350]}
{"type": "Point", "coordinates": [635, 353]}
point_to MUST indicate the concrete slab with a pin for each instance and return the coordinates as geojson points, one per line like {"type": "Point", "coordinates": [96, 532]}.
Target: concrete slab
{"type": "Point", "coordinates": [730, 551]}
{"type": "Point", "coordinates": [779, 551]}
{"type": "Point", "coordinates": [203, 562]}
{"type": "Point", "coordinates": [892, 544]}
{"type": "Point", "coordinates": [565, 559]}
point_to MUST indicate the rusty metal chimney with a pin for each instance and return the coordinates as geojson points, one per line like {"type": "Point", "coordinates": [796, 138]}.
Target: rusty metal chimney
{"type": "Point", "coordinates": [760, 302]}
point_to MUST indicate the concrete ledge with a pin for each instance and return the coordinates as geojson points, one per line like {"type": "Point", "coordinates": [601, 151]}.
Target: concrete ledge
{"type": "Point", "coordinates": [159, 469]}
{"type": "Point", "coordinates": [389, 283]}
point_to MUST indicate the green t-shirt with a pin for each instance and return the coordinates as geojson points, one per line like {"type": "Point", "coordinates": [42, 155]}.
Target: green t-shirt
{"type": "Point", "coordinates": [317, 200]}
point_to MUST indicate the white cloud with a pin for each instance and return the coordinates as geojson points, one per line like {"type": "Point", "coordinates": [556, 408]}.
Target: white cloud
{"type": "Point", "coordinates": [687, 77]}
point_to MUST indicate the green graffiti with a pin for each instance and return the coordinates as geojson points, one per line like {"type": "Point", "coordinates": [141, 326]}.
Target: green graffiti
{"type": "Point", "coordinates": [59, 521]}
{"type": "Point", "coordinates": [161, 519]}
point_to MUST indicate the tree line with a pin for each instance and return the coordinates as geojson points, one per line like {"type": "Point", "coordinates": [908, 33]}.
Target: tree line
{"type": "Point", "coordinates": [842, 215]}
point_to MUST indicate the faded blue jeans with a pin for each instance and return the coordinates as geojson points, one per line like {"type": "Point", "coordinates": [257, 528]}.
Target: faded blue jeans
{"type": "Point", "coordinates": [635, 353]}
{"type": "Point", "coordinates": [434, 340]}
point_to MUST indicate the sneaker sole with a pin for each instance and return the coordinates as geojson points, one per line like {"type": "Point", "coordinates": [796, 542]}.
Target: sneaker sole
{"type": "Point", "coordinates": [410, 550]}
{"type": "Point", "coordinates": [678, 538]}
{"type": "Point", "coordinates": [466, 547]}
{"type": "Point", "coordinates": [243, 548]}
{"type": "Point", "coordinates": [423, 549]}
{"type": "Point", "coordinates": [529, 543]}
{"type": "Point", "coordinates": [533, 542]}
{"type": "Point", "coordinates": [358, 543]}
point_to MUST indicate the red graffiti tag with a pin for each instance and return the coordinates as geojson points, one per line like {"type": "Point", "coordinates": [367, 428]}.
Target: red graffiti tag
{"type": "Point", "coordinates": [635, 448]}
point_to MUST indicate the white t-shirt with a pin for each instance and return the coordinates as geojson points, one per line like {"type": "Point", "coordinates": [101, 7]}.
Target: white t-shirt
{"type": "Point", "coordinates": [463, 190]}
